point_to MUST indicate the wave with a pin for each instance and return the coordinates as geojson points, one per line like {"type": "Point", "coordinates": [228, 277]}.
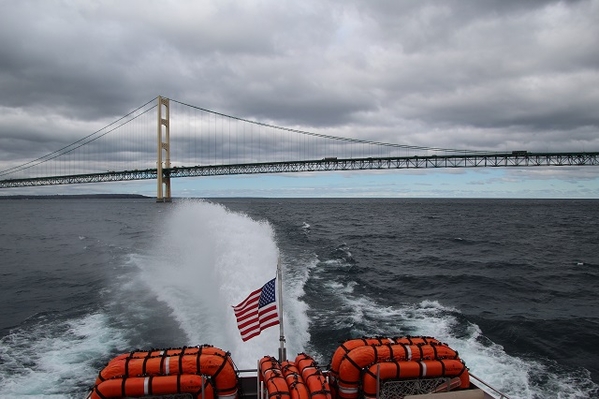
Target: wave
{"type": "Point", "coordinates": [518, 375]}
{"type": "Point", "coordinates": [51, 358]}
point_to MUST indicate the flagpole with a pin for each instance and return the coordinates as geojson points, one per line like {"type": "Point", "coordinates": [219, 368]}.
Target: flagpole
{"type": "Point", "coordinates": [282, 350]}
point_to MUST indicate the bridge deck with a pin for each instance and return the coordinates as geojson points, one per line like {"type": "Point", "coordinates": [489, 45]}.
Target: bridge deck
{"type": "Point", "coordinates": [494, 160]}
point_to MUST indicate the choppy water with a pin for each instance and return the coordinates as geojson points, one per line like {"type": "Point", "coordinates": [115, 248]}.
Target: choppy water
{"type": "Point", "coordinates": [510, 284]}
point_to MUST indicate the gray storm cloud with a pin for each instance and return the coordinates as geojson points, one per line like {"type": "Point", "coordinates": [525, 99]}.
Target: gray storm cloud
{"type": "Point", "coordinates": [488, 75]}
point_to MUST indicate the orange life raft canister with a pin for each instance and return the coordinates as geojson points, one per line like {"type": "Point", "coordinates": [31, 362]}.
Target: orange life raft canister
{"type": "Point", "coordinates": [297, 387]}
{"type": "Point", "coordinates": [169, 371]}
{"type": "Point", "coordinates": [318, 386]}
{"type": "Point", "coordinates": [411, 370]}
{"type": "Point", "coordinates": [271, 374]}
{"type": "Point", "coordinates": [153, 385]}
{"type": "Point", "coordinates": [356, 362]}
{"type": "Point", "coordinates": [351, 344]}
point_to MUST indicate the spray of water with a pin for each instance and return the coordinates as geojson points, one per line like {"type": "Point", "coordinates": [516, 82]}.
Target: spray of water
{"type": "Point", "coordinates": [208, 259]}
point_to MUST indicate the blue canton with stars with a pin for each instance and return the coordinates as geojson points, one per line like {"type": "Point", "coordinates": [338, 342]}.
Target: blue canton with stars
{"type": "Point", "coordinates": [268, 294]}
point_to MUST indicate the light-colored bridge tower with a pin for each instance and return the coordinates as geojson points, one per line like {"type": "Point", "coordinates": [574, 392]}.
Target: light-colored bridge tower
{"type": "Point", "coordinates": [164, 178]}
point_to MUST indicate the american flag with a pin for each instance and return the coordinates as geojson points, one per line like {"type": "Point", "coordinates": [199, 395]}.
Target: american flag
{"type": "Point", "coordinates": [257, 312]}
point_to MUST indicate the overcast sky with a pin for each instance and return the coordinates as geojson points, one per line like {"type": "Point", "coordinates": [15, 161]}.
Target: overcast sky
{"type": "Point", "coordinates": [490, 75]}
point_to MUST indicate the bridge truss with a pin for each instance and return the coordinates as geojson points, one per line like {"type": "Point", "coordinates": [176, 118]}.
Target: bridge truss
{"type": "Point", "coordinates": [515, 159]}
{"type": "Point", "coordinates": [220, 144]}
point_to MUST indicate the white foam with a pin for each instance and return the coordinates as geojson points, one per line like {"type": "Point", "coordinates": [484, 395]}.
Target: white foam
{"type": "Point", "coordinates": [512, 375]}
{"type": "Point", "coordinates": [52, 360]}
{"type": "Point", "coordinates": [209, 259]}
{"type": "Point", "coordinates": [341, 288]}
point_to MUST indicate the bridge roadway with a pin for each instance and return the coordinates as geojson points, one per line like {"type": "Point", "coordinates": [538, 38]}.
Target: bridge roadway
{"type": "Point", "coordinates": [468, 160]}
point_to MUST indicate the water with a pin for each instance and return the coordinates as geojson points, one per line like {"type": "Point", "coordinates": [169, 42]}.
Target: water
{"type": "Point", "coordinates": [510, 284]}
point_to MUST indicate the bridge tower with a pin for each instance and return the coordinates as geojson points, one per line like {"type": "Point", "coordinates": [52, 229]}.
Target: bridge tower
{"type": "Point", "coordinates": [163, 176]}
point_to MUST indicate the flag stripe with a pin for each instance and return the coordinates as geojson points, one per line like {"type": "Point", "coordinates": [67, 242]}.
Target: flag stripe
{"type": "Point", "coordinates": [262, 318]}
{"type": "Point", "coordinates": [258, 311]}
{"type": "Point", "coordinates": [254, 296]}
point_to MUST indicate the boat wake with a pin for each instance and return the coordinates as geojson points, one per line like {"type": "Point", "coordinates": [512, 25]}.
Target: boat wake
{"type": "Point", "coordinates": [208, 259]}
{"type": "Point", "coordinates": [515, 375]}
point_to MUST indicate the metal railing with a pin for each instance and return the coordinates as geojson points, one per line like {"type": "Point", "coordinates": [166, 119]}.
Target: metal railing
{"type": "Point", "coordinates": [494, 391]}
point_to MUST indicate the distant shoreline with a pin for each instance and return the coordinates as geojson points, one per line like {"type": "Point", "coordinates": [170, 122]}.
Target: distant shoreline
{"type": "Point", "coordinates": [217, 198]}
{"type": "Point", "coordinates": [74, 196]}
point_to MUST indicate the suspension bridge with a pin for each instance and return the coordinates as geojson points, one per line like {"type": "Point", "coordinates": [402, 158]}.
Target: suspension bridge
{"type": "Point", "coordinates": [139, 146]}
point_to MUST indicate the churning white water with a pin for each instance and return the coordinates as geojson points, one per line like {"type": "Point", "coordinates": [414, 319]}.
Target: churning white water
{"type": "Point", "coordinates": [208, 259]}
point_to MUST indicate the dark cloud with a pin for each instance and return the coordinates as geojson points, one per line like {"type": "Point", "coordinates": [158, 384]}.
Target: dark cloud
{"type": "Point", "coordinates": [493, 74]}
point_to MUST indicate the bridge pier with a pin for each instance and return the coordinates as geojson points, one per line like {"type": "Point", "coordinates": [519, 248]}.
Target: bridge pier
{"type": "Point", "coordinates": [163, 176]}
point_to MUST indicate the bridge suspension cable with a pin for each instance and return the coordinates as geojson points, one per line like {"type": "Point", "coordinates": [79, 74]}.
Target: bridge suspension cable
{"type": "Point", "coordinates": [81, 142]}
{"type": "Point", "coordinates": [331, 137]}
